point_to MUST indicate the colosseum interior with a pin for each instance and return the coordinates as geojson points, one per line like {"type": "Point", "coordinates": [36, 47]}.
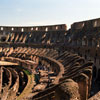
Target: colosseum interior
{"type": "Point", "coordinates": [50, 62]}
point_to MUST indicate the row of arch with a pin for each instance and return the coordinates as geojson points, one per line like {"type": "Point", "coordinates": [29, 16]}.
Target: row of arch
{"type": "Point", "coordinates": [94, 42]}
{"type": "Point", "coordinates": [41, 37]}
{"type": "Point", "coordinates": [87, 24]}
{"type": "Point", "coordinates": [37, 28]}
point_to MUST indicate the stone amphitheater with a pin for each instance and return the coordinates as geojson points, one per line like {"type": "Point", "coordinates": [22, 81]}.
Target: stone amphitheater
{"type": "Point", "coordinates": [50, 62]}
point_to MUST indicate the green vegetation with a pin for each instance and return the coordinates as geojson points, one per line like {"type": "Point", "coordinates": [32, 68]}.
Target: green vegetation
{"type": "Point", "coordinates": [27, 72]}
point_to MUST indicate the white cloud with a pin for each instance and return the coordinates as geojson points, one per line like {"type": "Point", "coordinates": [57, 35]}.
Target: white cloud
{"type": "Point", "coordinates": [19, 10]}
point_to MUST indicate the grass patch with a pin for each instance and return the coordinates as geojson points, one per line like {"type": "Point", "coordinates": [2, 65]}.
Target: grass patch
{"type": "Point", "coordinates": [27, 72]}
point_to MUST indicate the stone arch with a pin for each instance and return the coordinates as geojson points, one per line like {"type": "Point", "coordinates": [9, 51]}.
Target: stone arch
{"type": "Point", "coordinates": [98, 75]}
{"type": "Point", "coordinates": [84, 41]}
{"type": "Point", "coordinates": [90, 42]}
{"type": "Point", "coordinates": [79, 42]}
{"type": "Point", "coordinates": [94, 72]}
{"type": "Point", "coordinates": [98, 42]}
{"type": "Point", "coordinates": [94, 42]}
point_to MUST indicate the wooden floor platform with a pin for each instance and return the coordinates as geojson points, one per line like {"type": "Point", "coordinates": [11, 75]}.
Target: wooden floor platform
{"type": "Point", "coordinates": [6, 63]}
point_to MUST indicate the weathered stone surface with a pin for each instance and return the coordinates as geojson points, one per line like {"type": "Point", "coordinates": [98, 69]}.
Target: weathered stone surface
{"type": "Point", "coordinates": [65, 75]}
{"type": "Point", "coordinates": [69, 90]}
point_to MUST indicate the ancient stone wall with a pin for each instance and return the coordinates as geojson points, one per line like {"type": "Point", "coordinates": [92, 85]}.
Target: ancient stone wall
{"type": "Point", "coordinates": [85, 40]}
{"type": "Point", "coordinates": [38, 34]}
{"type": "Point", "coordinates": [67, 55]}
{"type": "Point", "coordinates": [68, 68]}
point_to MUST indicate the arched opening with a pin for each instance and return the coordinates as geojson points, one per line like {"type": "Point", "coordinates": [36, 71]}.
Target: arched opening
{"type": "Point", "coordinates": [12, 29]}
{"type": "Point", "coordinates": [98, 77]}
{"type": "Point", "coordinates": [95, 23]}
{"type": "Point", "coordinates": [56, 27]}
{"type": "Point", "coordinates": [22, 30]}
{"type": "Point", "coordinates": [95, 87]}
{"type": "Point", "coordinates": [1, 28]}
{"type": "Point", "coordinates": [94, 72]}
{"type": "Point", "coordinates": [3, 39]}
{"type": "Point", "coordinates": [46, 29]}
{"type": "Point", "coordinates": [32, 29]}
{"type": "Point", "coordinates": [36, 29]}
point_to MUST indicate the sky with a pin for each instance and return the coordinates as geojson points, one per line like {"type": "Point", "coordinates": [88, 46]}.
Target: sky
{"type": "Point", "coordinates": [47, 12]}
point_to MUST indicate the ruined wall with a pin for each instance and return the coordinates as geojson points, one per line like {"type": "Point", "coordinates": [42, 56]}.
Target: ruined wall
{"type": "Point", "coordinates": [85, 40]}
{"type": "Point", "coordinates": [86, 24]}
{"type": "Point", "coordinates": [37, 34]}
{"type": "Point", "coordinates": [72, 74]}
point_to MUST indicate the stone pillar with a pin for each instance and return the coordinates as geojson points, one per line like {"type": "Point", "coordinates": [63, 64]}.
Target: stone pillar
{"type": "Point", "coordinates": [0, 79]}
{"type": "Point", "coordinates": [88, 72]}
{"type": "Point", "coordinates": [82, 81]}
{"type": "Point", "coordinates": [83, 42]}
{"type": "Point", "coordinates": [68, 90]}
{"type": "Point", "coordinates": [93, 42]}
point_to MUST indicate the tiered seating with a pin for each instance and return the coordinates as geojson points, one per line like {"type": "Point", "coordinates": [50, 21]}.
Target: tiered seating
{"type": "Point", "coordinates": [42, 71]}
{"type": "Point", "coordinates": [62, 66]}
